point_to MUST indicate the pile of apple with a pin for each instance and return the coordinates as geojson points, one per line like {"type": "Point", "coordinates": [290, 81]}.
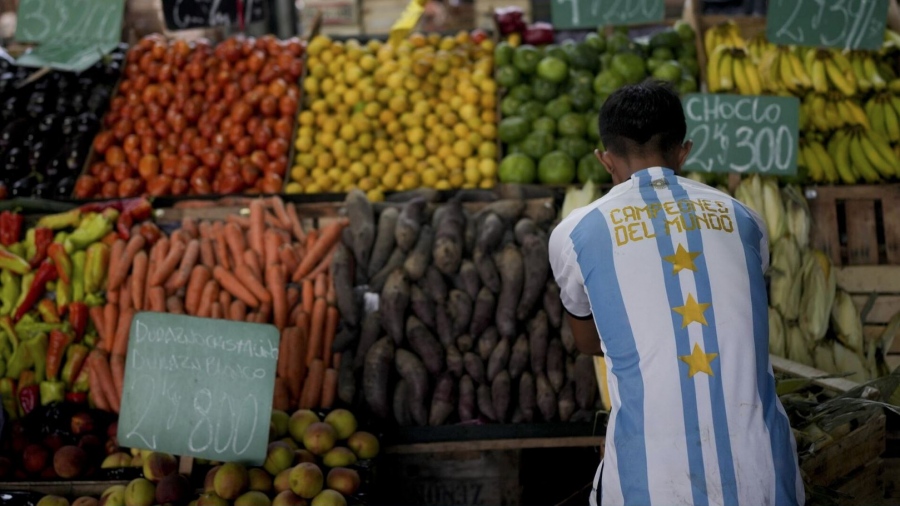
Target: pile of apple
{"type": "Point", "coordinates": [309, 461]}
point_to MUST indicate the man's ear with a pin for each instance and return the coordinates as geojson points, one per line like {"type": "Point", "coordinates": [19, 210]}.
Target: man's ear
{"type": "Point", "coordinates": [684, 152]}
{"type": "Point", "coordinates": [606, 160]}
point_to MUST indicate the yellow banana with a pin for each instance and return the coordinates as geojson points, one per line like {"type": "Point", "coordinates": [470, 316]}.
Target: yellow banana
{"type": "Point", "coordinates": [713, 68]}
{"type": "Point", "coordinates": [872, 73]}
{"type": "Point", "coordinates": [765, 71]}
{"type": "Point", "coordinates": [842, 159]}
{"type": "Point", "coordinates": [799, 70]}
{"type": "Point", "coordinates": [833, 115]}
{"type": "Point", "coordinates": [790, 81]}
{"type": "Point", "coordinates": [809, 57]}
{"type": "Point", "coordinates": [819, 76]}
{"type": "Point", "coordinates": [826, 163]}
{"type": "Point", "coordinates": [741, 81]}
{"type": "Point", "coordinates": [841, 60]}
{"type": "Point", "coordinates": [709, 40]}
{"type": "Point", "coordinates": [812, 164]}
{"type": "Point", "coordinates": [860, 162]}
{"type": "Point", "coordinates": [891, 122]}
{"type": "Point", "coordinates": [726, 72]}
{"type": "Point", "coordinates": [753, 79]}
{"type": "Point", "coordinates": [861, 80]}
{"type": "Point", "coordinates": [878, 151]}
{"type": "Point", "coordinates": [818, 115]}
{"type": "Point", "coordinates": [876, 112]}
{"type": "Point", "coordinates": [857, 114]}
{"type": "Point", "coordinates": [841, 81]}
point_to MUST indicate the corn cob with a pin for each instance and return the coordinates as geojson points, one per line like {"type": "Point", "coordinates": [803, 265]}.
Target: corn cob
{"type": "Point", "coordinates": [776, 334]}
{"type": "Point", "coordinates": [796, 216]}
{"type": "Point", "coordinates": [773, 208]}
{"type": "Point", "coordinates": [797, 348]}
{"type": "Point", "coordinates": [849, 361]}
{"type": "Point", "coordinates": [846, 322]}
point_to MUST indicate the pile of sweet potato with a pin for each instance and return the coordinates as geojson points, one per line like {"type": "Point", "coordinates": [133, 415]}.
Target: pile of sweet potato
{"type": "Point", "coordinates": [450, 314]}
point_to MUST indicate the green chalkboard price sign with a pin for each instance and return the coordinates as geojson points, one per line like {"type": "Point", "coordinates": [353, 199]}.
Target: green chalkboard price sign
{"type": "Point", "coordinates": [569, 14]}
{"type": "Point", "coordinates": [199, 387]}
{"type": "Point", "coordinates": [844, 24]}
{"type": "Point", "coordinates": [744, 134]}
{"type": "Point", "coordinates": [70, 35]}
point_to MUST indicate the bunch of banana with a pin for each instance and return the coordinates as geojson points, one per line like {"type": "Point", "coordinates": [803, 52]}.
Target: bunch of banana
{"type": "Point", "coordinates": [731, 68]}
{"type": "Point", "coordinates": [782, 70]}
{"type": "Point", "coordinates": [862, 154]}
{"type": "Point", "coordinates": [819, 163]}
{"type": "Point", "coordinates": [883, 111]}
{"type": "Point", "coordinates": [891, 42]}
{"type": "Point", "coordinates": [830, 69]}
{"type": "Point", "coordinates": [760, 46]}
{"type": "Point", "coordinates": [831, 111]}
{"type": "Point", "coordinates": [868, 75]}
{"type": "Point", "coordinates": [724, 34]}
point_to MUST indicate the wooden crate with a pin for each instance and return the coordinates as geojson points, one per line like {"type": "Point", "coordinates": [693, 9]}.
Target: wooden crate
{"type": "Point", "coordinates": [875, 290]}
{"type": "Point", "coordinates": [857, 225]}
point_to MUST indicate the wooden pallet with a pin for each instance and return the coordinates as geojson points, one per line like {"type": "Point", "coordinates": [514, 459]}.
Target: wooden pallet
{"type": "Point", "coordinates": [857, 225]}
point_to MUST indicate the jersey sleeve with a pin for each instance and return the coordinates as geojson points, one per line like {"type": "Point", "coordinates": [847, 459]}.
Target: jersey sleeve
{"type": "Point", "coordinates": [763, 238]}
{"type": "Point", "coordinates": [567, 272]}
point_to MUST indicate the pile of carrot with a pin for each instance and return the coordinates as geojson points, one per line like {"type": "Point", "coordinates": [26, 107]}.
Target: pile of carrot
{"type": "Point", "coordinates": [261, 268]}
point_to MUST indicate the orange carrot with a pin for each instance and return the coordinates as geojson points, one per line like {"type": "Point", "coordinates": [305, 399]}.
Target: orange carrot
{"type": "Point", "coordinates": [112, 296]}
{"type": "Point", "coordinates": [205, 229]}
{"type": "Point", "coordinates": [174, 305]}
{"type": "Point", "coordinates": [96, 313]}
{"type": "Point", "coordinates": [238, 311]}
{"type": "Point", "coordinates": [293, 295]}
{"type": "Point", "coordinates": [236, 243]}
{"type": "Point", "coordinates": [167, 266]}
{"type": "Point", "coordinates": [324, 265]}
{"type": "Point", "coordinates": [125, 295]}
{"type": "Point", "coordinates": [336, 361]}
{"type": "Point", "coordinates": [287, 256]}
{"type": "Point", "coordinates": [264, 312]}
{"type": "Point", "coordinates": [296, 227]}
{"type": "Point", "coordinates": [319, 288]}
{"type": "Point", "coordinates": [280, 211]}
{"type": "Point", "coordinates": [156, 299]}
{"type": "Point", "coordinates": [235, 287]}
{"type": "Point", "coordinates": [251, 317]}
{"type": "Point", "coordinates": [291, 367]}
{"type": "Point", "coordinates": [316, 330]}
{"type": "Point", "coordinates": [299, 352]}
{"type": "Point", "coordinates": [329, 388]}
{"type": "Point", "coordinates": [96, 393]}
{"type": "Point", "coordinates": [180, 277]}
{"type": "Point", "coordinates": [275, 281]}
{"type": "Point", "coordinates": [124, 260]}
{"type": "Point", "coordinates": [157, 255]}
{"type": "Point", "coordinates": [308, 296]}
{"type": "Point", "coordinates": [281, 364]}
{"type": "Point", "coordinates": [272, 243]}
{"type": "Point", "coordinates": [281, 400]}
{"type": "Point", "coordinates": [120, 341]}
{"type": "Point", "coordinates": [257, 227]}
{"type": "Point", "coordinates": [241, 221]}
{"type": "Point", "coordinates": [303, 323]}
{"type": "Point", "coordinates": [331, 323]}
{"type": "Point", "coordinates": [299, 251]}
{"type": "Point", "coordinates": [115, 255]}
{"type": "Point", "coordinates": [100, 364]}
{"type": "Point", "coordinates": [178, 236]}
{"type": "Point", "coordinates": [273, 222]}
{"type": "Point", "coordinates": [199, 276]}
{"type": "Point", "coordinates": [207, 255]}
{"type": "Point", "coordinates": [210, 294]}
{"type": "Point", "coordinates": [311, 239]}
{"type": "Point", "coordinates": [252, 283]}
{"type": "Point", "coordinates": [312, 387]}
{"type": "Point", "coordinates": [139, 280]}
{"type": "Point", "coordinates": [220, 245]}
{"type": "Point", "coordinates": [224, 300]}
{"type": "Point", "coordinates": [111, 319]}
{"type": "Point", "coordinates": [189, 226]}
{"type": "Point", "coordinates": [56, 346]}
{"type": "Point", "coordinates": [117, 368]}
{"type": "Point", "coordinates": [252, 263]}
{"type": "Point", "coordinates": [330, 294]}
{"type": "Point", "coordinates": [216, 311]}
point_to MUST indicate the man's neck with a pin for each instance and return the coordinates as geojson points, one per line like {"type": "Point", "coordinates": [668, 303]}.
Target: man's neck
{"type": "Point", "coordinates": [636, 165]}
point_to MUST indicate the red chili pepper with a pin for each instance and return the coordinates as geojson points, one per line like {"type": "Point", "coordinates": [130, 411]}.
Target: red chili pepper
{"type": "Point", "coordinates": [13, 262]}
{"type": "Point", "coordinates": [43, 238]}
{"type": "Point", "coordinates": [78, 317]}
{"type": "Point", "coordinates": [57, 253]}
{"type": "Point", "coordinates": [56, 346]}
{"type": "Point", "coordinates": [539, 34]}
{"type": "Point", "coordinates": [10, 227]}
{"type": "Point", "coordinates": [45, 273]}
{"type": "Point", "coordinates": [76, 397]}
{"type": "Point", "coordinates": [48, 311]}
{"type": "Point", "coordinates": [151, 232]}
{"type": "Point", "coordinates": [29, 398]}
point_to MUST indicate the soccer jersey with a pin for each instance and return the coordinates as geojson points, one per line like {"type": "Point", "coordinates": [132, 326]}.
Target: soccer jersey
{"type": "Point", "coordinates": [672, 271]}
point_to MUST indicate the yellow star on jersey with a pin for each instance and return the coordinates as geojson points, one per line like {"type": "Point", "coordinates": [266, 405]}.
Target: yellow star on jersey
{"type": "Point", "coordinates": [691, 311]}
{"type": "Point", "coordinates": [698, 361]}
{"type": "Point", "coordinates": [682, 259]}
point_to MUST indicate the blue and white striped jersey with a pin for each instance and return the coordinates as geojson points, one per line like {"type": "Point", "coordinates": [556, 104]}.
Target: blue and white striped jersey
{"type": "Point", "coordinates": [672, 271]}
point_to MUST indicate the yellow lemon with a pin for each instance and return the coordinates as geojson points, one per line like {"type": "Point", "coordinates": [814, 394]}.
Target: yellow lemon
{"type": "Point", "coordinates": [415, 135]}
{"type": "Point", "coordinates": [339, 148]}
{"type": "Point", "coordinates": [381, 144]}
{"type": "Point", "coordinates": [457, 178]}
{"type": "Point", "coordinates": [307, 118]}
{"type": "Point", "coordinates": [313, 188]}
{"type": "Point", "coordinates": [419, 152]}
{"type": "Point", "coordinates": [368, 62]}
{"type": "Point", "coordinates": [354, 151]}
{"type": "Point", "coordinates": [303, 144]}
{"type": "Point", "coordinates": [475, 139]}
{"type": "Point", "coordinates": [348, 132]}
{"type": "Point", "coordinates": [394, 128]}
{"type": "Point", "coordinates": [487, 184]}
{"type": "Point", "coordinates": [385, 157]}
{"type": "Point", "coordinates": [325, 139]}
{"type": "Point", "coordinates": [347, 180]}
{"type": "Point", "coordinates": [306, 160]}
{"type": "Point", "coordinates": [293, 188]}
{"type": "Point", "coordinates": [450, 119]}
{"type": "Point", "coordinates": [453, 163]}
{"type": "Point", "coordinates": [387, 116]}
{"type": "Point", "coordinates": [390, 180]}
{"type": "Point", "coordinates": [432, 144]}
{"type": "Point", "coordinates": [462, 149]}
{"type": "Point", "coordinates": [377, 169]}
{"type": "Point", "coordinates": [487, 150]}
{"type": "Point", "coordinates": [366, 184]}
{"type": "Point", "coordinates": [488, 131]}
{"type": "Point", "coordinates": [431, 121]}
{"type": "Point", "coordinates": [324, 161]}
{"type": "Point", "coordinates": [398, 104]}
{"type": "Point", "coordinates": [411, 180]}
{"type": "Point", "coordinates": [375, 195]}
{"type": "Point", "coordinates": [318, 106]}
{"type": "Point", "coordinates": [445, 151]}
{"type": "Point", "coordinates": [443, 184]}
{"type": "Point", "coordinates": [334, 174]}
{"type": "Point", "coordinates": [365, 141]}
{"type": "Point", "coordinates": [429, 178]}
{"type": "Point", "coordinates": [488, 168]}
{"type": "Point", "coordinates": [352, 97]}
{"type": "Point", "coordinates": [372, 109]}
{"type": "Point", "coordinates": [298, 173]}
{"type": "Point", "coordinates": [358, 169]}
{"type": "Point", "coordinates": [325, 183]}
{"type": "Point", "coordinates": [461, 131]}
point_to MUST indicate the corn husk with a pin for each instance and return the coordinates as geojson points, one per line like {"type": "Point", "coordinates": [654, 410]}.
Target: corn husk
{"type": "Point", "coordinates": [776, 334]}
{"type": "Point", "coordinates": [784, 290]}
{"type": "Point", "coordinates": [576, 198]}
{"type": "Point", "coordinates": [818, 295]}
{"type": "Point", "coordinates": [890, 332]}
{"type": "Point", "coordinates": [749, 192]}
{"type": "Point", "coordinates": [847, 360]}
{"type": "Point", "coordinates": [797, 217]}
{"type": "Point", "coordinates": [796, 346]}
{"type": "Point", "coordinates": [773, 209]}
{"type": "Point", "coordinates": [846, 322]}
{"type": "Point", "coordinates": [823, 357]}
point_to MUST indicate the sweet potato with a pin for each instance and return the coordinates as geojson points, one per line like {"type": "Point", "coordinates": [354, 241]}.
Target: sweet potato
{"type": "Point", "coordinates": [570, 368]}
{"type": "Point", "coordinates": [487, 271]}
{"type": "Point", "coordinates": [384, 240]}
{"type": "Point", "coordinates": [536, 262]}
{"type": "Point", "coordinates": [518, 359]}
{"type": "Point", "coordinates": [556, 364]}
{"type": "Point", "coordinates": [583, 416]}
{"type": "Point", "coordinates": [585, 381]}
{"type": "Point", "coordinates": [413, 371]}
{"type": "Point", "coordinates": [483, 312]}
{"type": "Point", "coordinates": [468, 280]}
{"type": "Point", "coordinates": [508, 210]}
{"type": "Point", "coordinates": [459, 308]}
{"type": "Point", "coordinates": [418, 260]}
{"type": "Point", "coordinates": [553, 304]}
{"type": "Point", "coordinates": [509, 263]}
{"type": "Point", "coordinates": [546, 399]}
{"type": "Point", "coordinates": [566, 402]}
{"type": "Point", "coordinates": [422, 306]}
{"type": "Point", "coordinates": [500, 395]}
{"type": "Point", "coordinates": [454, 361]}
{"type": "Point", "coordinates": [344, 340]}
{"type": "Point", "coordinates": [376, 376]}
{"type": "Point", "coordinates": [362, 226]}
{"type": "Point", "coordinates": [434, 286]}
{"type": "Point", "coordinates": [394, 262]}
{"type": "Point", "coordinates": [425, 345]}
{"type": "Point", "coordinates": [402, 404]}
{"type": "Point", "coordinates": [394, 300]}
{"type": "Point", "coordinates": [443, 325]}
{"type": "Point", "coordinates": [346, 378]}
{"type": "Point", "coordinates": [490, 233]}
{"type": "Point", "coordinates": [449, 237]}
{"type": "Point", "coordinates": [538, 336]}
{"type": "Point", "coordinates": [467, 399]}
{"type": "Point", "coordinates": [566, 336]}
{"type": "Point", "coordinates": [523, 229]}
{"type": "Point", "coordinates": [474, 367]}
{"type": "Point", "coordinates": [465, 343]}
{"type": "Point", "coordinates": [342, 277]}
{"type": "Point", "coordinates": [485, 403]}
{"type": "Point", "coordinates": [499, 359]}
{"type": "Point", "coordinates": [527, 396]}
{"type": "Point", "coordinates": [487, 341]}
{"type": "Point", "coordinates": [409, 222]}
{"type": "Point", "coordinates": [368, 334]}
{"type": "Point", "coordinates": [470, 234]}
{"type": "Point", "coordinates": [442, 401]}
{"type": "Point", "coordinates": [517, 416]}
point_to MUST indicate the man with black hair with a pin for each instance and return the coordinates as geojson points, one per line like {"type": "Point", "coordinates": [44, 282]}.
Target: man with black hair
{"type": "Point", "coordinates": [663, 276]}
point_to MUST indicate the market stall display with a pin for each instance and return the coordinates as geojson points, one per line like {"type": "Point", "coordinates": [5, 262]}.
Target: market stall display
{"type": "Point", "coordinates": [193, 119]}
{"type": "Point", "coordinates": [47, 126]}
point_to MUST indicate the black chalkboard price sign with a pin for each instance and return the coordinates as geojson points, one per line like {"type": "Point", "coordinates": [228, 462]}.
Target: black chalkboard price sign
{"type": "Point", "coordinates": [186, 14]}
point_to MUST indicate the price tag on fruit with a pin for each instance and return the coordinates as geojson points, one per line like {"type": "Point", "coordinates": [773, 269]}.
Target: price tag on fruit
{"type": "Point", "coordinates": [199, 387]}
{"type": "Point", "coordinates": [569, 14]}
{"type": "Point", "coordinates": [71, 35]}
{"type": "Point", "coordinates": [187, 14]}
{"type": "Point", "coordinates": [744, 134]}
{"type": "Point", "coordinates": [844, 24]}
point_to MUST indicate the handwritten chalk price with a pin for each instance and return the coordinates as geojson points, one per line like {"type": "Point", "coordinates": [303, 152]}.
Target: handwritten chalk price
{"type": "Point", "coordinates": [734, 133]}
{"type": "Point", "coordinates": [844, 24]}
{"type": "Point", "coordinates": [568, 14]}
